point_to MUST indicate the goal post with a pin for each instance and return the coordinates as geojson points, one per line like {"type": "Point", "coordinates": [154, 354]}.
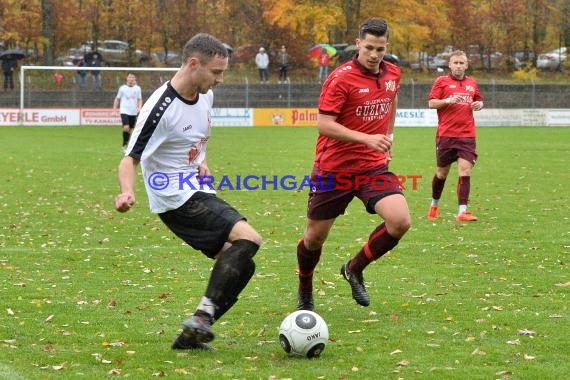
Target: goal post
{"type": "Point", "coordinates": [41, 78]}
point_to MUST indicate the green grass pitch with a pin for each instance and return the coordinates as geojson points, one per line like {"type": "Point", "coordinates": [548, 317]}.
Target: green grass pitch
{"type": "Point", "coordinates": [89, 293]}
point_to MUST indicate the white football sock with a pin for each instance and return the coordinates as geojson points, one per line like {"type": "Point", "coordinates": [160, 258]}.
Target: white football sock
{"type": "Point", "coordinates": [207, 306]}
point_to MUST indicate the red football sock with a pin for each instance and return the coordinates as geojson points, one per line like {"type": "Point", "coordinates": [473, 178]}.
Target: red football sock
{"type": "Point", "coordinates": [307, 261]}
{"type": "Point", "coordinates": [463, 189]}
{"type": "Point", "coordinates": [437, 185]}
{"type": "Point", "coordinates": [379, 242]}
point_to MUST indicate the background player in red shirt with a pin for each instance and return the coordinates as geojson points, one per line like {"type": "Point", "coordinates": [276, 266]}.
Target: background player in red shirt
{"type": "Point", "coordinates": [357, 111]}
{"type": "Point", "coordinates": [455, 96]}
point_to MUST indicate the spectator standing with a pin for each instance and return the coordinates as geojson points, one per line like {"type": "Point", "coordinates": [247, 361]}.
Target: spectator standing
{"type": "Point", "coordinates": [58, 79]}
{"type": "Point", "coordinates": [8, 68]}
{"type": "Point", "coordinates": [283, 60]}
{"type": "Point", "coordinates": [81, 74]}
{"type": "Point", "coordinates": [96, 74]}
{"type": "Point", "coordinates": [324, 62]}
{"type": "Point", "coordinates": [262, 62]}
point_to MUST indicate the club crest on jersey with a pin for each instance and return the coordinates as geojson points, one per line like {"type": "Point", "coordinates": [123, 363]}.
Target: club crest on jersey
{"type": "Point", "coordinates": [390, 85]}
{"type": "Point", "coordinates": [470, 88]}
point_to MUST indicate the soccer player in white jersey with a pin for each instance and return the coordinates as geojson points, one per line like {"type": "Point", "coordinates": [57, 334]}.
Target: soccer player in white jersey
{"type": "Point", "coordinates": [129, 102]}
{"type": "Point", "coordinates": [169, 141]}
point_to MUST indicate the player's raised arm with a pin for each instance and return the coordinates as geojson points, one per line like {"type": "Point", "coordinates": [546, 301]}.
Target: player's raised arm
{"type": "Point", "coordinates": [127, 174]}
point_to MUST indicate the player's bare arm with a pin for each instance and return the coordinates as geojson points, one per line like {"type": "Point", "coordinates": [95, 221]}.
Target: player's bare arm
{"type": "Point", "coordinates": [328, 126]}
{"type": "Point", "coordinates": [127, 173]}
{"type": "Point", "coordinates": [391, 125]}
{"type": "Point", "coordinates": [441, 103]}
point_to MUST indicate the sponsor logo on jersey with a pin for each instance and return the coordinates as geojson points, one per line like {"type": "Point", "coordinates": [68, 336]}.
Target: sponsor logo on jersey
{"type": "Point", "coordinates": [390, 85]}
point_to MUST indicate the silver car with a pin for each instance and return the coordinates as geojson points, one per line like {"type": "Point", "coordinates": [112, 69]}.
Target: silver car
{"type": "Point", "coordinates": [114, 52]}
{"type": "Point", "coordinates": [553, 60]}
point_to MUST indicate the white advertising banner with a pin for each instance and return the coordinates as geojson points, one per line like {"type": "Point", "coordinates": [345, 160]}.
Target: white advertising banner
{"type": "Point", "coordinates": [100, 116]}
{"type": "Point", "coordinates": [48, 116]}
{"type": "Point", "coordinates": [421, 117]}
{"type": "Point", "coordinates": [492, 117]}
{"type": "Point", "coordinates": [232, 117]}
{"type": "Point", "coordinates": [558, 117]}
{"type": "Point", "coordinates": [248, 117]}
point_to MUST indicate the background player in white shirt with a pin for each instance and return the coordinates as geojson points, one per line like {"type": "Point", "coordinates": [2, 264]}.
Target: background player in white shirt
{"type": "Point", "coordinates": [129, 103]}
{"type": "Point", "coordinates": [169, 141]}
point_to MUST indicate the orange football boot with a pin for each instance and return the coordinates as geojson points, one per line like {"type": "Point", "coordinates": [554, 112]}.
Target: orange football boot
{"type": "Point", "coordinates": [466, 216]}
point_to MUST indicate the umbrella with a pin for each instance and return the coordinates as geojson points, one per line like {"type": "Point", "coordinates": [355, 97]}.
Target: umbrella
{"type": "Point", "coordinates": [12, 54]}
{"type": "Point", "coordinates": [316, 50]}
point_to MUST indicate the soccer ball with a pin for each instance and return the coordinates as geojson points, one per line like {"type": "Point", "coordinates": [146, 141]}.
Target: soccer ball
{"type": "Point", "coordinates": [303, 333]}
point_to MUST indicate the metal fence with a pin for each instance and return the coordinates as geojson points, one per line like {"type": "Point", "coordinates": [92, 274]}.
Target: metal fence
{"type": "Point", "coordinates": [298, 95]}
{"type": "Point", "coordinates": [411, 95]}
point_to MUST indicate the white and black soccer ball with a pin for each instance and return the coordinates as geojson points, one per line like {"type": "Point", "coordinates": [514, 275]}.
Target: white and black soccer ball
{"type": "Point", "coordinates": [303, 333]}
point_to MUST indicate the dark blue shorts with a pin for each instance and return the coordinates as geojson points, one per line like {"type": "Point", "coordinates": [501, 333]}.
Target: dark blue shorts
{"type": "Point", "coordinates": [204, 222]}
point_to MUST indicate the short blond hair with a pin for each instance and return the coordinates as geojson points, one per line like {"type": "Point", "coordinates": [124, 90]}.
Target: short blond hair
{"type": "Point", "coordinates": [456, 53]}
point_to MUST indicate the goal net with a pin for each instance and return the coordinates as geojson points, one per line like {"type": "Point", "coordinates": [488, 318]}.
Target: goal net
{"type": "Point", "coordinates": [87, 90]}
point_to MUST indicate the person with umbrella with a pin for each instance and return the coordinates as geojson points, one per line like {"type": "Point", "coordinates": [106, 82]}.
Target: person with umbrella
{"type": "Point", "coordinates": [8, 68]}
{"type": "Point", "coordinates": [9, 60]}
{"type": "Point", "coordinates": [324, 61]}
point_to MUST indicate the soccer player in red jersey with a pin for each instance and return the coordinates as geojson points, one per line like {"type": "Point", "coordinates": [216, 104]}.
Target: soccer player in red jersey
{"type": "Point", "coordinates": [357, 111]}
{"type": "Point", "coordinates": [455, 96]}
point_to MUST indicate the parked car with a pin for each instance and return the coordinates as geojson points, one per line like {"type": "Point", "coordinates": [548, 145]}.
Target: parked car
{"type": "Point", "coordinates": [438, 63]}
{"type": "Point", "coordinates": [524, 56]}
{"type": "Point", "coordinates": [171, 59]}
{"type": "Point", "coordinates": [496, 60]}
{"type": "Point", "coordinates": [113, 52]}
{"type": "Point", "coordinates": [72, 58]}
{"type": "Point", "coordinates": [552, 60]}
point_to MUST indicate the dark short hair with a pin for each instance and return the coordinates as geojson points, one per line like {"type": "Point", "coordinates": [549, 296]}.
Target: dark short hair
{"type": "Point", "coordinates": [375, 26]}
{"type": "Point", "coordinates": [205, 47]}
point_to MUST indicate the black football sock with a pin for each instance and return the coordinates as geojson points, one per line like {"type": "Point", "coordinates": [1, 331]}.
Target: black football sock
{"type": "Point", "coordinates": [307, 261]}
{"type": "Point", "coordinates": [126, 136]}
{"type": "Point", "coordinates": [231, 273]}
